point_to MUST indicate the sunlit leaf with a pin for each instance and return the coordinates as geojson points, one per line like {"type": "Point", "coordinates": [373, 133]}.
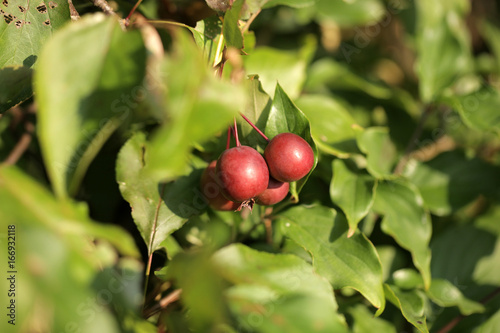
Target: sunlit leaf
{"type": "Point", "coordinates": [348, 13]}
{"type": "Point", "coordinates": [406, 221]}
{"type": "Point", "coordinates": [443, 45]}
{"type": "Point", "coordinates": [158, 209]}
{"type": "Point", "coordinates": [353, 192]}
{"type": "Point", "coordinates": [411, 303]}
{"type": "Point", "coordinates": [57, 249]}
{"type": "Point", "coordinates": [335, 136]}
{"type": "Point", "coordinates": [230, 28]}
{"type": "Point", "coordinates": [198, 106]}
{"type": "Point", "coordinates": [345, 262]}
{"type": "Point", "coordinates": [277, 284]}
{"type": "Point", "coordinates": [25, 27]}
{"type": "Point", "coordinates": [75, 119]}
{"type": "Point", "coordinates": [288, 68]}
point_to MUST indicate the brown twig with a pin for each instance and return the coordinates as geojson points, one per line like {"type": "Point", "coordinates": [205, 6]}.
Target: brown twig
{"type": "Point", "coordinates": [22, 145]}
{"type": "Point", "coordinates": [163, 303]}
{"type": "Point", "coordinates": [448, 327]}
{"type": "Point", "coordinates": [413, 141]}
{"type": "Point", "coordinates": [250, 20]}
{"type": "Point", "coordinates": [108, 10]}
{"type": "Point", "coordinates": [75, 16]}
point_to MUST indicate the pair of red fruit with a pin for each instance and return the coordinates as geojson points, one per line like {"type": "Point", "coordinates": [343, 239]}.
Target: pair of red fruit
{"type": "Point", "coordinates": [242, 176]}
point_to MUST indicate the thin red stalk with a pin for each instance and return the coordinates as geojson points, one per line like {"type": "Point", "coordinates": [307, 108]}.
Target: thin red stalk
{"type": "Point", "coordinates": [228, 142]}
{"type": "Point", "coordinates": [133, 10]}
{"type": "Point", "coordinates": [255, 127]}
{"type": "Point", "coordinates": [236, 133]}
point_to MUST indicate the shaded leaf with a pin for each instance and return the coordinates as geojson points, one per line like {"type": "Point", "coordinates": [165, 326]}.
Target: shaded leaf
{"type": "Point", "coordinates": [381, 153]}
{"type": "Point", "coordinates": [76, 119]}
{"type": "Point", "coordinates": [478, 110]}
{"type": "Point", "coordinates": [15, 83]}
{"type": "Point", "coordinates": [345, 262]}
{"type": "Point", "coordinates": [151, 214]}
{"type": "Point", "coordinates": [406, 221]}
{"type": "Point", "coordinates": [451, 180]}
{"type": "Point", "coordinates": [353, 192]}
{"type": "Point", "coordinates": [335, 136]}
{"type": "Point", "coordinates": [444, 293]}
{"type": "Point", "coordinates": [411, 304]}
{"type": "Point", "coordinates": [286, 117]}
{"type": "Point", "coordinates": [194, 274]}
{"type": "Point", "coordinates": [25, 27]}
{"type": "Point", "coordinates": [458, 253]}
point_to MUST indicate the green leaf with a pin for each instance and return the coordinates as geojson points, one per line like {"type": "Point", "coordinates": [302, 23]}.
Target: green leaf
{"type": "Point", "coordinates": [76, 119]}
{"type": "Point", "coordinates": [411, 304]}
{"type": "Point", "coordinates": [336, 137]}
{"type": "Point", "coordinates": [257, 111]}
{"type": "Point", "coordinates": [406, 221]}
{"type": "Point", "coordinates": [286, 117]}
{"type": "Point", "coordinates": [490, 33]}
{"type": "Point", "coordinates": [195, 275]}
{"type": "Point", "coordinates": [345, 262]}
{"type": "Point", "coordinates": [443, 45]}
{"type": "Point", "coordinates": [283, 274]}
{"type": "Point", "coordinates": [197, 104]}
{"type": "Point", "coordinates": [451, 180]}
{"type": "Point", "coordinates": [286, 67]}
{"type": "Point", "coordinates": [445, 294]}
{"type": "Point", "coordinates": [230, 27]}
{"type": "Point", "coordinates": [151, 213]}
{"type": "Point", "coordinates": [283, 286]}
{"type": "Point", "coordinates": [465, 255]}
{"type": "Point", "coordinates": [58, 248]}
{"type": "Point", "coordinates": [490, 325]}
{"type": "Point", "coordinates": [25, 27]}
{"type": "Point", "coordinates": [349, 13]}
{"type": "Point", "coordinates": [407, 278]}
{"type": "Point", "coordinates": [335, 75]}
{"type": "Point", "coordinates": [290, 3]}
{"type": "Point", "coordinates": [16, 86]}
{"type": "Point", "coordinates": [207, 34]}
{"type": "Point", "coordinates": [365, 322]}
{"type": "Point", "coordinates": [478, 110]}
{"type": "Point", "coordinates": [353, 192]}
{"type": "Point", "coordinates": [381, 153]}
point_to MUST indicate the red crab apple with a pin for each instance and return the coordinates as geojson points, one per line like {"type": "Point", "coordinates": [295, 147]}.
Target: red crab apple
{"type": "Point", "coordinates": [212, 192]}
{"type": "Point", "coordinates": [242, 172]}
{"type": "Point", "coordinates": [289, 157]}
{"type": "Point", "coordinates": [275, 192]}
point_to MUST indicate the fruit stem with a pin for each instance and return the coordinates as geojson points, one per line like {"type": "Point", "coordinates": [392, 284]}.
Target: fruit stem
{"type": "Point", "coordinates": [132, 11]}
{"type": "Point", "coordinates": [228, 142]}
{"type": "Point", "coordinates": [255, 127]}
{"type": "Point", "coordinates": [236, 133]}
